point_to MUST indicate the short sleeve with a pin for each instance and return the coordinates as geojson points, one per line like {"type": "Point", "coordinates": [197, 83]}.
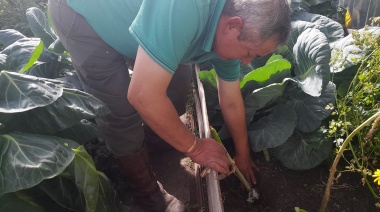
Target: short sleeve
{"type": "Point", "coordinates": [165, 29]}
{"type": "Point", "coordinates": [228, 70]}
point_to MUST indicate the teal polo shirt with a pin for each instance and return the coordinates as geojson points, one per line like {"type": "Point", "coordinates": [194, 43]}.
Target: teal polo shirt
{"type": "Point", "coordinates": [170, 31]}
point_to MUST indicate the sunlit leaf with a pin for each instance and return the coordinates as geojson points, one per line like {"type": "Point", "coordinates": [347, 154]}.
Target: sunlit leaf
{"type": "Point", "coordinates": [27, 159]}
{"type": "Point", "coordinates": [21, 92]}
{"type": "Point", "coordinates": [34, 57]}
{"type": "Point", "coordinates": [86, 177]}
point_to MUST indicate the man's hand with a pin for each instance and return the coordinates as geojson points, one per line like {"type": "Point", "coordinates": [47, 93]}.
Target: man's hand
{"type": "Point", "coordinates": [246, 167]}
{"type": "Point", "coordinates": [211, 154]}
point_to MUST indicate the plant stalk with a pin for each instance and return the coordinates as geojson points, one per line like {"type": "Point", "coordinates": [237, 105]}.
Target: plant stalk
{"type": "Point", "coordinates": [266, 155]}
{"type": "Point", "coordinates": [338, 156]}
{"type": "Point", "coordinates": [215, 136]}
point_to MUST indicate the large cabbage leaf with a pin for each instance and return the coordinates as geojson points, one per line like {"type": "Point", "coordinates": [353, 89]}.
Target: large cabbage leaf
{"type": "Point", "coordinates": [312, 54]}
{"type": "Point", "coordinates": [31, 104]}
{"type": "Point", "coordinates": [107, 197]}
{"type": "Point", "coordinates": [309, 40]}
{"type": "Point", "coordinates": [299, 5]}
{"type": "Point", "coordinates": [3, 60]}
{"type": "Point", "coordinates": [261, 98]}
{"type": "Point", "coordinates": [304, 151]}
{"type": "Point", "coordinates": [312, 110]}
{"type": "Point", "coordinates": [20, 52]}
{"type": "Point", "coordinates": [72, 107]}
{"type": "Point", "coordinates": [40, 26]}
{"type": "Point", "coordinates": [347, 56]}
{"type": "Point", "coordinates": [304, 20]}
{"type": "Point", "coordinates": [51, 70]}
{"type": "Point", "coordinates": [9, 36]}
{"type": "Point", "coordinates": [81, 133]}
{"type": "Point", "coordinates": [273, 130]}
{"type": "Point", "coordinates": [345, 53]}
{"type": "Point", "coordinates": [84, 172]}
{"type": "Point", "coordinates": [96, 188]}
{"type": "Point", "coordinates": [22, 92]}
{"type": "Point", "coordinates": [27, 159]}
{"type": "Point", "coordinates": [263, 85]}
{"type": "Point", "coordinates": [274, 71]}
{"type": "Point", "coordinates": [62, 190]}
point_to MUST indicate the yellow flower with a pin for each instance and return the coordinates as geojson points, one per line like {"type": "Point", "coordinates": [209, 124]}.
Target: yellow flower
{"type": "Point", "coordinates": [377, 176]}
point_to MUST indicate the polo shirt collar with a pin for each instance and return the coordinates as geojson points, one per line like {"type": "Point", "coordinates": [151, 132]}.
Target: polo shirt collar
{"type": "Point", "coordinates": [212, 24]}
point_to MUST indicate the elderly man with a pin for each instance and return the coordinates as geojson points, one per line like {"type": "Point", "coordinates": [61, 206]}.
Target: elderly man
{"type": "Point", "coordinates": [162, 37]}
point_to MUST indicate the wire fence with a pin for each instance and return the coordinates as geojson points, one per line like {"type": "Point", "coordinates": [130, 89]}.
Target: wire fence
{"type": "Point", "coordinates": [361, 11]}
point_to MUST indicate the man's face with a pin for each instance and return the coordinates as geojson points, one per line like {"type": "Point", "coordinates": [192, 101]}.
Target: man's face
{"type": "Point", "coordinates": [244, 50]}
{"type": "Point", "coordinates": [228, 47]}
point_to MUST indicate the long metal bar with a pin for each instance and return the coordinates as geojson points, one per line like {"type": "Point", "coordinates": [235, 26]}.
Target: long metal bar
{"type": "Point", "coordinates": [214, 195]}
{"type": "Point", "coordinates": [199, 182]}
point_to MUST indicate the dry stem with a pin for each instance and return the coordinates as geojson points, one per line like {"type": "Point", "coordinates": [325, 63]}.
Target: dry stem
{"type": "Point", "coordinates": [333, 167]}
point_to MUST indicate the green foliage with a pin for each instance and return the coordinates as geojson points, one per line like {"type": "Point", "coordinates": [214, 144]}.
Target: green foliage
{"type": "Point", "coordinates": [297, 209]}
{"type": "Point", "coordinates": [358, 100]}
{"type": "Point", "coordinates": [280, 115]}
{"type": "Point", "coordinates": [44, 120]}
{"type": "Point", "coordinates": [326, 8]}
{"type": "Point", "coordinates": [288, 95]}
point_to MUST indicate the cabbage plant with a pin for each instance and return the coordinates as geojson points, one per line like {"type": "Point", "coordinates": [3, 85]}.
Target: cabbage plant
{"type": "Point", "coordinates": [289, 94]}
{"type": "Point", "coordinates": [45, 119]}
{"type": "Point", "coordinates": [348, 54]}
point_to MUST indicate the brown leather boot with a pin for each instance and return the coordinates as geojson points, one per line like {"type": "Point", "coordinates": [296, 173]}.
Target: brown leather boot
{"type": "Point", "coordinates": [147, 191]}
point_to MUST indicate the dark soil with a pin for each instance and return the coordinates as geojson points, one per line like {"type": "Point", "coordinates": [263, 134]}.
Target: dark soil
{"type": "Point", "coordinates": [280, 189]}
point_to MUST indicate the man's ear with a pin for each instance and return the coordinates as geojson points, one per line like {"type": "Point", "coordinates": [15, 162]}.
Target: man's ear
{"type": "Point", "coordinates": [234, 22]}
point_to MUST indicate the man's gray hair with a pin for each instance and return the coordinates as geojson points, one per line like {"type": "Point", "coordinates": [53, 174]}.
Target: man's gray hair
{"type": "Point", "coordinates": [262, 19]}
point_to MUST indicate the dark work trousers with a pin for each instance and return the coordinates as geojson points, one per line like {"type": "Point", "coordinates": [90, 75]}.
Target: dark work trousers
{"type": "Point", "coordinates": [104, 74]}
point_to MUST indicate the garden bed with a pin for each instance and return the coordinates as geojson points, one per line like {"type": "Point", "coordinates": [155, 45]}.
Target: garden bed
{"type": "Point", "coordinates": [281, 189]}
{"type": "Point", "coordinates": [281, 102]}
